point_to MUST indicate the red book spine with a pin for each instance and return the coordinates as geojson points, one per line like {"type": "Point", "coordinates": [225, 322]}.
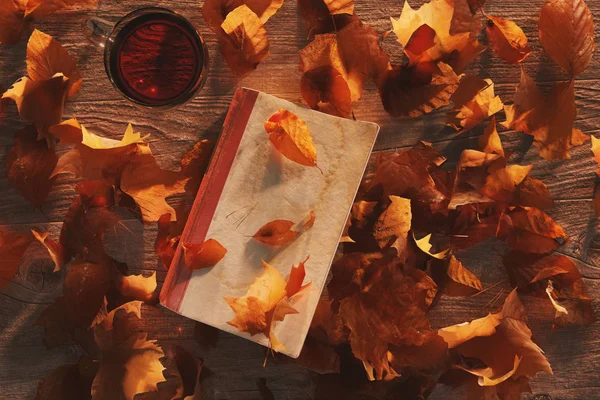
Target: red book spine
{"type": "Point", "coordinates": [209, 193]}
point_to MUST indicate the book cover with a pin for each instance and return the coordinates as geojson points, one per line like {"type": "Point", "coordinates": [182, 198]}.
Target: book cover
{"type": "Point", "coordinates": [248, 184]}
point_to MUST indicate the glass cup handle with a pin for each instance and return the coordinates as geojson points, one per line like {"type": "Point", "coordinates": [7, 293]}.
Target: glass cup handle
{"type": "Point", "coordinates": [97, 31]}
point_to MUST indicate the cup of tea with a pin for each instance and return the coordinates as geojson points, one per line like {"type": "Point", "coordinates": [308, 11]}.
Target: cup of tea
{"type": "Point", "coordinates": [153, 56]}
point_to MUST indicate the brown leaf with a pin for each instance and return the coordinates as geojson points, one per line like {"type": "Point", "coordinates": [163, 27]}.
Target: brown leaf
{"type": "Point", "coordinates": [55, 250]}
{"type": "Point", "coordinates": [319, 357]}
{"type": "Point", "coordinates": [244, 43]}
{"type": "Point", "coordinates": [291, 137]}
{"type": "Point", "coordinates": [391, 229]}
{"type": "Point", "coordinates": [46, 57]}
{"type": "Point", "coordinates": [530, 230]}
{"type": "Point", "coordinates": [340, 6]}
{"type": "Point", "coordinates": [276, 233]}
{"type": "Point", "coordinates": [490, 141]}
{"type": "Point", "coordinates": [548, 119]}
{"type": "Point", "coordinates": [12, 247]}
{"type": "Point", "coordinates": [461, 282]}
{"type": "Point", "coordinates": [507, 39]}
{"type": "Point", "coordinates": [29, 165]}
{"type": "Point", "coordinates": [317, 15]}
{"type": "Point", "coordinates": [425, 246]}
{"type": "Point", "coordinates": [325, 89]}
{"type": "Point", "coordinates": [12, 21]}
{"type": "Point", "coordinates": [474, 101]}
{"type": "Point", "coordinates": [572, 45]}
{"type": "Point", "coordinates": [418, 89]}
{"type": "Point", "coordinates": [84, 289]}
{"type": "Point", "coordinates": [471, 171]}
{"type": "Point", "coordinates": [137, 287]}
{"type": "Point", "coordinates": [150, 186]}
{"type": "Point", "coordinates": [203, 255]}
{"type": "Point", "coordinates": [69, 382]}
{"type": "Point", "coordinates": [327, 326]}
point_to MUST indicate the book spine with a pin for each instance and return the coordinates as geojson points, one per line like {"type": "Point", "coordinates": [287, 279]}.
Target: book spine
{"type": "Point", "coordinates": [209, 193]}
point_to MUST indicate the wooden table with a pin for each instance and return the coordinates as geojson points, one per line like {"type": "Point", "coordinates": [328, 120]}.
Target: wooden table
{"type": "Point", "coordinates": [236, 364]}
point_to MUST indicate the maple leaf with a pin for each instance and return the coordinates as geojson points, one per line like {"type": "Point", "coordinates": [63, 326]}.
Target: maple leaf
{"type": "Point", "coordinates": [149, 186]}
{"type": "Point", "coordinates": [490, 141]}
{"type": "Point", "coordinates": [243, 39]}
{"type": "Point", "coordinates": [502, 342]}
{"type": "Point", "coordinates": [69, 382]}
{"type": "Point", "coordinates": [457, 50]}
{"type": "Point", "coordinates": [391, 229]}
{"type": "Point", "coordinates": [266, 302]}
{"type": "Point", "coordinates": [507, 39]}
{"type": "Point", "coordinates": [291, 137]}
{"type": "Point", "coordinates": [12, 247]}
{"type": "Point", "coordinates": [549, 119]}
{"type": "Point", "coordinates": [137, 287]}
{"type": "Point", "coordinates": [29, 165]}
{"type": "Point", "coordinates": [474, 101]}
{"type": "Point", "coordinates": [572, 46]}
{"type": "Point", "coordinates": [530, 230]}
{"type": "Point", "coordinates": [203, 255]}
{"type": "Point", "coordinates": [130, 362]}
{"type": "Point", "coordinates": [325, 89]}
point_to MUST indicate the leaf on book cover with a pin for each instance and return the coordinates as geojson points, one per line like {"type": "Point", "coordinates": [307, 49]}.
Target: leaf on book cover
{"type": "Point", "coordinates": [507, 39]}
{"type": "Point", "coordinates": [474, 101]}
{"type": "Point", "coordinates": [150, 186]}
{"type": "Point", "coordinates": [502, 343]}
{"type": "Point", "coordinates": [291, 137]}
{"type": "Point", "coordinates": [276, 233]}
{"type": "Point", "coordinates": [243, 39]}
{"type": "Point", "coordinates": [267, 302]}
{"type": "Point", "coordinates": [130, 362]}
{"type": "Point", "coordinates": [137, 287]}
{"type": "Point", "coordinates": [393, 225]}
{"type": "Point", "coordinates": [47, 57]}
{"type": "Point", "coordinates": [549, 119]}
{"type": "Point", "coordinates": [12, 247]}
{"type": "Point", "coordinates": [572, 46]}
{"type": "Point", "coordinates": [55, 250]}
{"type": "Point", "coordinates": [203, 255]}
{"type": "Point", "coordinates": [530, 230]}
{"type": "Point", "coordinates": [29, 165]}
{"type": "Point", "coordinates": [69, 382]}
{"type": "Point", "coordinates": [490, 141]}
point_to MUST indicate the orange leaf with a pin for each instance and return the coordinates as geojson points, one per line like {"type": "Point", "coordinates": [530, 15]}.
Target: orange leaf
{"type": "Point", "coordinates": [474, 101]}
{"type": "Point", "coordinates": [215, 11]}
{"type": "Point", "coordinates": [29, 165]}
{"type": "Point", "coordinates": [46, 57]}
{"type": "Point", "coordinates": [12, 21]}
{"type": "Point", "coordinates": [318, 15]}
{"type": "Point", "coordinates": [572, 45]}
{"type": "Point", "coordinates": [471, 172]}
{"type": "Point", "coordinates": [507, 40]}
{"type": "Point", "coordinates": [245, 42]}
{"type": "Point", "coordinates": [166, 242]}
{"type": "Point", "coordinates": [294, 282]}
{"type": "Point", "coordinates": [324, 88]}
{"type": "Point", "coordinates": [461, 282]}
{"type": "Point", "coordinates": [42, 8]}
{"type": "Point", "coordinates": [530, 230]}
{"type": "Point", "coordinates": [276, 233]}
{"type": "Point", "coordinates": [596, 152]}
{"type": "Point", "coordinates": [12, 247]}
{"type": "Point", "coordinates": [291, 137]}
{"type": "Point", "coordinates": [490, 141]}
{"type": "Point", "coordinates": [340, 6]}
{"type": "Point", "coordinates": [137, 287]}
{"type": "Point", "coordinates": [203, 255]}
{"type": "Point", "coordinates": [548, 119]}
{"type": "Point", "coordinates": [391, 229]}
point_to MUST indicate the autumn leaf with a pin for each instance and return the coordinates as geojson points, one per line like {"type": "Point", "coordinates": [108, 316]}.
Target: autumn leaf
{"type": "Point", "coordinates": [244, 43]}
{"type": "Point", "coordinates": [424, 244]}
{"type": "Point", "coordinates": [319, 18]}
{"type": "Point", "coordinates": [471, 172]}
{"type": "Point", "coordinates": [166, 241]}
{"type": "Point", "coordinates": [513, 185]}
{"type": "Point", "coordinates": [84, 289]}
{"type": "Point", "coordinates": [530, 230]}
{"type": "Point", "coordinates": [43, 8]}
{"type": "Point", "coordinates": [549, 119]}
{"type": "Point", "coordinates": [596, 152]}
{"type": "Point", "coordinates": [215, 11]}
{"type": "Point", "coordinates": [12, 247]}
{"type": "Point", "coordinates": [291, 137]}
{"type": "Point", "coordinates": [490, 141]}
{"type": "Point", "coordinates": [507, 39]}
{"type": "Point", "coordinates": [340, 6]}
{"type": "Point", "coordinates": [130, 362]}
{"type": "Point", "coordinates": [276, 233]}
{"type": "Point", "coordinates": [266, 302]}
{"type": "Point", "coordinates": [149, 186]}
{"type": "Point", "coordinates": [137, 287]}
{"type": "Point", "coordinates": [29, 165]}
{"type": "Point", "coordinates": [203, 255]}
{"type": "Point", "coordinates": [12, 21]}
{"type": "Point", "coordinates": [457, 280]}
{"type": "Point", "coordinates": [572, 46]}
{"type": "Point", "coordinates": [474, 101]}
{"type": "Point", "coordinates": [194, 162]}
{"type": "Point", "coordinates": [391, 229]}
{"type": "Point", "coordinates": [325, 89]}
{"type": "Point", "coordinates": [55, 250]}
{"type": "Point", "coordinates": [69, 382]}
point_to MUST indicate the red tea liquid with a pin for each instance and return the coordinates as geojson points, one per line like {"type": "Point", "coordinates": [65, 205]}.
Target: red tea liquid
{"type": "Point", "coordinates": [157, 58]}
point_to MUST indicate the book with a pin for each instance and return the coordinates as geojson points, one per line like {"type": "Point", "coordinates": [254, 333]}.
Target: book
{"type": "Point", "coordinates": [248, 184]}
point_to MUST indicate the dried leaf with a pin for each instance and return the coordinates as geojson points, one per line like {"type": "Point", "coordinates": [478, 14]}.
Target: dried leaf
{"type": "Point", "coordinates": [425, 246]}
{"type": "Point", "coordinates": [245, 42]}
{"type": "Point", "coordinates": [474, 101]}
{"type": "Point", "coordinates": [150, 186]}
{"type": "Point", "coordinates": [490, 141]}
{"type": "Point", "coordinates": [530, 230]}
{"type": "Point", "coordinates": [462, 282]}
{"type": "Point", "coordinates": [55, 250]}
{"type": "Point", "coordinates": [137, 287]}
{"type": "Point", "coordinates": [548, 119]}
{"type": "Point", "coordinates": [12, 247]}
{"type": "Point", "coordinates": [12, 21]}
{"type": "Point", "coordinates": [276, 233]}
{"type": "Point", "coordinates": [572, 45]}
{"type": "Point", "coordinates": [318, 17]}
{"type": "Point", "coordinates": [46, 57]}
{"type": "Point", "coordinates": [507, 39]}
{"type": "Point", "coordinates": [203, 255]}
{"type": "Point", "coordinates": [471, 172]}
{"type": "Point", "coordinates": [512, 185]}
{"type": "Point", "coordinates": [215, 11]}
{"type": "Point", "coordinates": [325, 89]}
{"type": "Point", "coordinates": [29, 165]}
{"type": "Point", "coordinates": [166, 242]}
{"type": "Point", "coordinates": [340, 6]}
{"type": "Point", "coordinates": [291, 137]}
{"type": "Point", "coordinates": [84, 289]}
{"type": "Point", "coordinates": [391, 229]}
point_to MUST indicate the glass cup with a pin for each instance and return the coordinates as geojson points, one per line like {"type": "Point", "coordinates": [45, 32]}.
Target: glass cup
{"type": "Point", "coordinates": [153, 56]}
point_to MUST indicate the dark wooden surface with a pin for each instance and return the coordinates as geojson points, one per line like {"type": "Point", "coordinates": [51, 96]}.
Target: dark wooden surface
{"type": "Point", "coordinates": [236, 364]}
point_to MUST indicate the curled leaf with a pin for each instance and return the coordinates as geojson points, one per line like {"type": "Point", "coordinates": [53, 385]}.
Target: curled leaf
{"type": "Point", "coordinates": [291, 137]}
{"type": "Point", "coordinates": [203, 255]}
{"type": "Point", "coordinates": [507, 39]}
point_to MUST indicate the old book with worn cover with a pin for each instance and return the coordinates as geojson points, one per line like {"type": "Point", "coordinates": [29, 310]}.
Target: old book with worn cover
{"type": "Point", "coordinates": [248, 184]}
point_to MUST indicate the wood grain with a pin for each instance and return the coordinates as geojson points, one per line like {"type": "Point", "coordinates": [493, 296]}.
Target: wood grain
{"type": "Point", "coordinates": [236, 364]}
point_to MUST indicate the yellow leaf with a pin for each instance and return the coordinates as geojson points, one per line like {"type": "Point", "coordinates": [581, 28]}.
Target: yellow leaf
{"type": "Point", "coordinates": [291, 137]}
